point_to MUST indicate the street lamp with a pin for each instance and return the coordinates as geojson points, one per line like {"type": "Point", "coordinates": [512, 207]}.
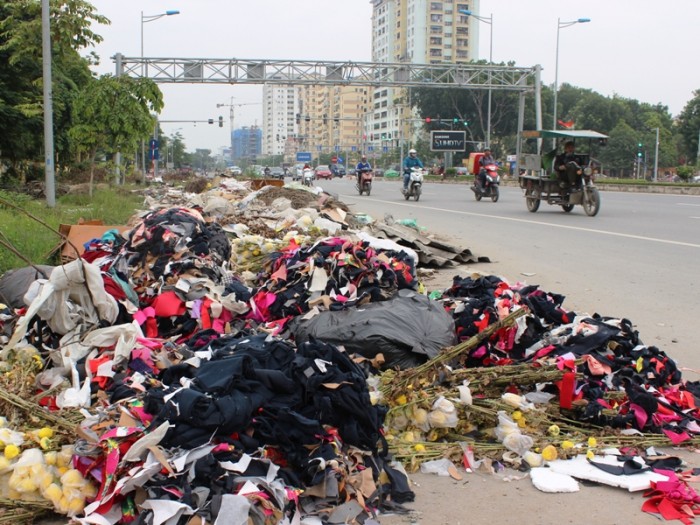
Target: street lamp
{"type": "Point", "coordinates": [488, 21]}
{"type": "Point", "coordinates": [145, 19]}
{"type": "Point", "coordinates": [560, 25]}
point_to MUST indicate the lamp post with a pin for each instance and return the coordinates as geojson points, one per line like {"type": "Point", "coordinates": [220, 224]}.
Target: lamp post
{"type": "Point", "coordinates": [488, 21]}
{"type": "Point", "coordinates": [656, 157]}
{"type": "Point", "coordinates": [560, 25]}
{"type": "Point", "coordinates": [144, 20]}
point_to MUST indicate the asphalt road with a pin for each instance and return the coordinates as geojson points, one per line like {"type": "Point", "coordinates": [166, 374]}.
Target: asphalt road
{"type": "Point", "coordinates": [639, 258]}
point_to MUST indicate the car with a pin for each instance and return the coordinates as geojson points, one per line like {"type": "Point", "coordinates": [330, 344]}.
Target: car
{"type": "Point", "coordinates": [462, 170]}
{"type": "Point", "coordinates": [297, 172]}
{"type": "Point", "coordinates": [696, 178]}
{"type": "Point", "coordinates": [323, 172]}
{"type": "Point", "coordinates": [234, 170]}
{"type": "Point", "coordinates": [338, 170]}
{"type": "Point", "coordinates": [276, 173]}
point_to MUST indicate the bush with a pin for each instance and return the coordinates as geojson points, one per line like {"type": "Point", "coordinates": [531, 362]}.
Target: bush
{"type": "Point", "coordinates": [685, 172]}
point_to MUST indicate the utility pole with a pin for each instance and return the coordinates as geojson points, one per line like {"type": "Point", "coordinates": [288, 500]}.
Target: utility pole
{"type": "Point", "coordinates": [49, 172]}
{"type": "Point", "coordinates": [656, 157]}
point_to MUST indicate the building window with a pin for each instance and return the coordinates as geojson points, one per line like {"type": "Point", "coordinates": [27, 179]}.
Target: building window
{"type": "Point", "coordinates": [436, 6]}
{"type": "Point", "coordinates": [435, 52]}
{"type": "Point", "coordinates": [436, 18]}
{"type": "Point", "coordinates": [435, 41]}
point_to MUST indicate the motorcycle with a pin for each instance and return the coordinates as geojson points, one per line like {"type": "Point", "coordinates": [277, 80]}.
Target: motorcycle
{"type": "Point", "coordinates": [415, 183]}
{"type": "Point", "coordinates": [365, 182]}
{"type": "Point", "coordinates": [307, 178]}
{"type": "Point", "coordinates": [491, 182]}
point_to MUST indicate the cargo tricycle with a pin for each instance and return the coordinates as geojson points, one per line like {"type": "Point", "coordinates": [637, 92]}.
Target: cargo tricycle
{"type": "Point", "coordinates": [565, 176]}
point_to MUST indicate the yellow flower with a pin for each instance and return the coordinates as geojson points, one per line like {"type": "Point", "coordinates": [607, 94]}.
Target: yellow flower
{"type": "Point", "coordinates": [592, 442]}
{"type": "Point", "coordinates": [517, 414]}
{"type": "Point", "coordinates": [45, 432]}
{"type": "Point", "coordinates": [522, 422]}
{"type": "Point", "coordinates": [11, 451]}
{"type": "Point", "coordinates": [553, 430]}
{"type": "Point", "coordinates": [419, 448]}
{"type": "Point", "coordinates": [549, 453]}
{"type": "Point", "coordinates": [590, 454]}
{"type": "Point", "coordinates": [45, 443]}
{"type": "Point", "coordinates": [401, 400]}
{"type": "Point", "coordinates": [566, 445]}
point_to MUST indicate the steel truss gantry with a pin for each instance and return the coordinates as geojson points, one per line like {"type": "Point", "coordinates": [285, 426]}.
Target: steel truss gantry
{"type": "Point", "coordinates": [525, 80]}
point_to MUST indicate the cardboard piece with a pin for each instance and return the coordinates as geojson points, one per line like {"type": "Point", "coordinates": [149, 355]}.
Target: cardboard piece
{"type": "Point", "coordinates": [78, 234]}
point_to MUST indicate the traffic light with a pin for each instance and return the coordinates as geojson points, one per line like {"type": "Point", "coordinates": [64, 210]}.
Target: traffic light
{"type": "Point", "coordinates": [427, 120]}
{"type": "Point", "coordinates": [210, 121]}
{"type": "Point", "coordinates": [639, 149]}
{"type": "Point", "coordinates": [336, 120]}
{"type": "Point", "coordinates": [307, 118]}
{"type": "Point", "coordinates": [455, 120]}
{"type": "Point", "coordinates": [465, 123]}
{"type": "Point", "coordinates": [298, 118]}
{"type": "Point", "coordinates": [221, 121]}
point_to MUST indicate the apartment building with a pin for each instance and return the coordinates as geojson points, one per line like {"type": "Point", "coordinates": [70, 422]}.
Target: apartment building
{"type": "Point", "coordinates": [280, 106]}
{"type": "Point", "coordinates": [419, 32]}
{"type": "Point", "coordinates": [247, 143]}
{"type": "Point", "coordinates": [333, 118]}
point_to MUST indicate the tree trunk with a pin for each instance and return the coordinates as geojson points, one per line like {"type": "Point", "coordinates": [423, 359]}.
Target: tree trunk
{"type": "Point", "coordinates": [92, 171]}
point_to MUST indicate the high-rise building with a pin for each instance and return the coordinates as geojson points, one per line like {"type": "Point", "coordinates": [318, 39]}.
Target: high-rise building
{"type": "Point", "coordinates": [333, 118]}
{"type": "Point", "coordinates": [247, 143]}
{"type": "Point", "coordinates": [419, 32]}
{"type": "Point", "coordinates": [280, 105]}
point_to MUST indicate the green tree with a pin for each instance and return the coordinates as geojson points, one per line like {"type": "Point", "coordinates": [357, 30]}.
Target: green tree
{"type": "Point", "coordinates": [113, 114]}
{"type": "Point", "coordinates": [688, 125]}
{"type": "Point", "coordinates": [21, 102]}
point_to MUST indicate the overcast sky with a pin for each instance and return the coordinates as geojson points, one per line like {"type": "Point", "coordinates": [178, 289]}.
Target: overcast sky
{"type": "Point", "coordinates": [642, 49]}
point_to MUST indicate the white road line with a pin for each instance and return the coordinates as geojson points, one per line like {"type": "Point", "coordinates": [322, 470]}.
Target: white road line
{"type": "Point", "coordinates": [540, 223]}
{"type": "Point", "coordinates": [686, 204]}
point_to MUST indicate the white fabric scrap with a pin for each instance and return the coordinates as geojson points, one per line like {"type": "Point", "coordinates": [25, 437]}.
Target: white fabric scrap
{"type": "Point", "coordinates": [387, 244]}
{"type": "Point", "coordinates": [234, 510]}
{"type": "Point", "coordinates": [547, 480]}
{"type": "Point", "coordinates": [580, 468]}
{"type": "Point", "coordinates": [167, 512]}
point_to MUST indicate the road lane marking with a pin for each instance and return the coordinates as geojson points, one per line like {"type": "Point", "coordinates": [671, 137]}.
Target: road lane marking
{"type": "Point", "coordinates": [686, 204]}
{"type": "Point", "coordinates": [540, 223]}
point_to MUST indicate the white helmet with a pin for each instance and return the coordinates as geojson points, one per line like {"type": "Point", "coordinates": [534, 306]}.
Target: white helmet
{"type": "Point", "coordinates": [412, 152]}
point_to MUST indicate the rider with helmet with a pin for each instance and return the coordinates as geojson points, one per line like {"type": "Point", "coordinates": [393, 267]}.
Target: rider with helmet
{"type": "Point", "coordinates": [410, 162]}
{"type": "Point", "coordinates": [362, 166]}
{"type": "Point", "coordinates": [484, 161]}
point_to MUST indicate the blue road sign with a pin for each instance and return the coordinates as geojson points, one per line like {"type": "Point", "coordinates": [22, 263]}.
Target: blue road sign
{"type": "Point", "coordinates": [385, 149]}
{"type": "Point", "coordinates": [353, 148]}
{"type": "Point", "coordinates": [303, 156]}
{"type": "Point", "coordinates": [153, 153]}
{"type": "Point", "coordinates": [340, 159]}
{"type": "Point", "coordinates": [337, 148]}
{"type": "Point", "coordinates": [370, 148]}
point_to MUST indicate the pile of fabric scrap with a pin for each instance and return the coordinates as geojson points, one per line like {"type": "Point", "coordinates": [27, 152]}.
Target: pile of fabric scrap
{"type": "Point", "coordinates": [536, 385]}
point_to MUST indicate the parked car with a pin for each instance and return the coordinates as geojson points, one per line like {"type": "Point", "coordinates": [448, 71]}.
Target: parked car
{"type": "Point", "coordinates": [277, 173]}
{"type": "Point", "coordinates": [323, 172]}
{"type": "Point", "coordinates": [234, 170]}
{"type": "Point", "coordinates": [462, 170]}
{"type": "Point", "coordinates": [338, 170]}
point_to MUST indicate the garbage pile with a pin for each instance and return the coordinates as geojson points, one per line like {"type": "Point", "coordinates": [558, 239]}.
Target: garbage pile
{"type": "Point", "coordinates": [247, 356]}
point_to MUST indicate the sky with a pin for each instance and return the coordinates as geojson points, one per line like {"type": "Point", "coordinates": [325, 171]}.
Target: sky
{"type": "Point", "coordinates": [639, 49]}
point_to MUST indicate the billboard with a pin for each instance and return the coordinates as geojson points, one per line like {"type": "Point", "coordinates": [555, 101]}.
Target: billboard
{"type": "Point", "coordinates": [448, 140]}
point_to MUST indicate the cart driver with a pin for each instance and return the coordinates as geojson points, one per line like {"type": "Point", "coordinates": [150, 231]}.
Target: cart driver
{"type": "Point", "coordinates": [568, 173]}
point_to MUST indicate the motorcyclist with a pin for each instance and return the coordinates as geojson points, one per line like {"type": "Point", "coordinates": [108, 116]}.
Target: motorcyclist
{"type": "Point", "coordinates": [410, 162]}
{"type": "Point", "coordinates": [485, 160]}
{"type": "Point", "coordinates": [568, 166]}
{"type": "Point", "coordinates": [266, 171]}
{"type": "Point", "coordinates": [362, 166]}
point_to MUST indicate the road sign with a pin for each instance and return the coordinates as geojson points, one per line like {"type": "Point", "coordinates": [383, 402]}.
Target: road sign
{"type": "Point", "coordinates": [303, 156]}
{"type": "Point", "coordinates": [337, 148]}
{"type": "Point", "coordinates": [353, 148]}
{"type": "Point", "coordinates": [370, 148]}
{"type": "Point", "coordinates": [334, 159]}
{"type": "Point", "coordinates": [340, 159]}
{"type": "Point", "coordinates": [385, 149]}
{"type": "Point", "coordinates": [153, 153]}
{"type": "Point", "coordinates": [448, 140]}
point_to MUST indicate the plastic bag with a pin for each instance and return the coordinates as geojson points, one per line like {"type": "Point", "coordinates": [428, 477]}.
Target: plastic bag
{"type": "Point", "coordinates": [441, 467]}
{"type": "Point", "coordinates": [443, 414]}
